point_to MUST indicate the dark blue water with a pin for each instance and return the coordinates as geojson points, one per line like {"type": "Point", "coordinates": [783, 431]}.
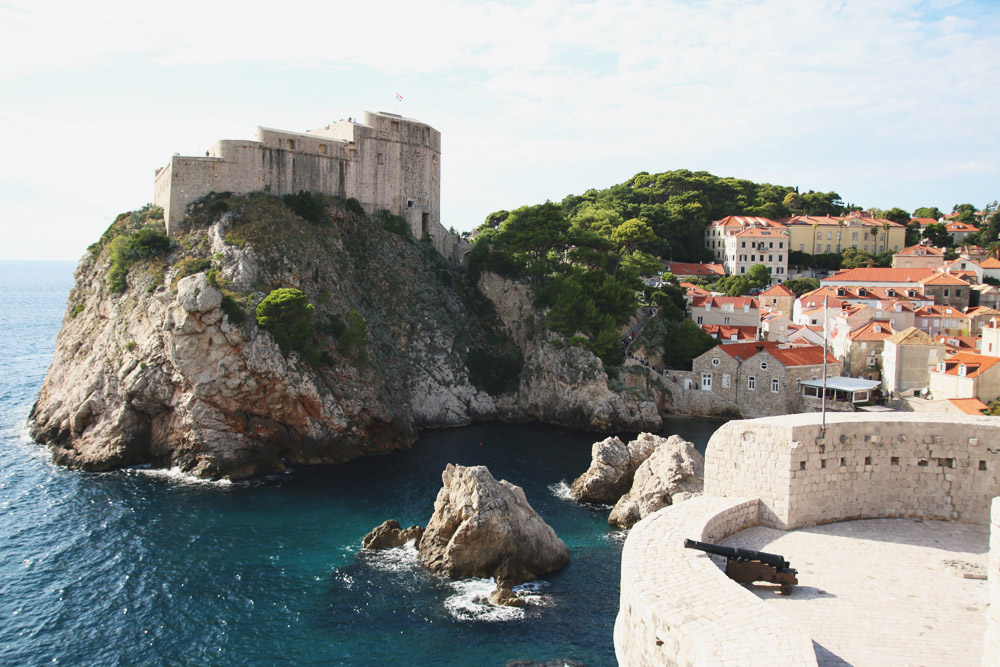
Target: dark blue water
{"type": "Point", "coordinates": [141, 567]}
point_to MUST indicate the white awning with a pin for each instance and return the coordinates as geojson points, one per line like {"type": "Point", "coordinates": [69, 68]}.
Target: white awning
{"type": "Point", "coordinates": [843, 383]}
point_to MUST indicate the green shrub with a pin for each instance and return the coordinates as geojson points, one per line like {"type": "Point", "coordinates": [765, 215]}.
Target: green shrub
{"type": "Point", "coordinates": [287, 314]}
{"type": "Point", "coordinates": [354, 340]}
{"type": "Point", "coordinates": [394, 223]}
{"type": "Point", "coordinates": [494, 373]}
{"type": "Point", "coordinates": [308, 206]}
{"type": "Point", "coordinates": [354, 206]}
{"type": "Point", "coordinates": [233, 310]}
{"type": "Point", "coordinates": [75, 310]}
{"type": "Point", "coordinates": [127, 249]}
{"type": "Point", "coordinates": [192, 265]}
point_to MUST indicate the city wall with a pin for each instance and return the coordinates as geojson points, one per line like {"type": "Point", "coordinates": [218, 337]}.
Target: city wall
{"type": "Point", "coordinates": [678, 608]}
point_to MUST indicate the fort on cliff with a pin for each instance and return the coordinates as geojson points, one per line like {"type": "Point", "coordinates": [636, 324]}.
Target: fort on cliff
{"type": "Point", "coordinates": [385, 161]}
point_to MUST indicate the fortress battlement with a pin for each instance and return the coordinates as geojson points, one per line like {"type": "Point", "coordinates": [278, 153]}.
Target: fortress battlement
{"type": "Point", "coordinates": [385, 161]}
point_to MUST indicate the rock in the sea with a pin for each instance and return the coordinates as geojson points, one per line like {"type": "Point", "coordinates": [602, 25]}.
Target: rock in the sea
{"type": "Point", "coordinates": [503, 596]}
{"type": "Point", "coordinates": [390, 535]}
{"type": "Point", "coordinates": [612, 468]}
{"type": "Point", "coordinates": [673, 472]}
{"type": "Point", "coordinates": [482, 527]}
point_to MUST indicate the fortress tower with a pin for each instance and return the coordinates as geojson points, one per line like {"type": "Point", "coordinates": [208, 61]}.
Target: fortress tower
{"type": "Point", "coordinates": [385, 162]}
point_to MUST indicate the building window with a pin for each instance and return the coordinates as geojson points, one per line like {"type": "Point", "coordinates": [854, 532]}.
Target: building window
{"type": "Point", "coordinates": [763, 365]}
{"type": "Point", "coordinates": [829, 236]}
{"type": "Point", "coordinates": [946, 291]}
{"type": "Point", "coordinates": [322, 149]}
{"type": "Point", "coordinates": [751, 382]}
{"type": "Point", "coordinates": [802, 247]}
{"type": "Point", "coordinates": [700, 320]}
{"type": "Point", "coordinates": [290, 144]}
{"type": "Point", "coordinates": [743, 269]}
{"type": "Point", "coordinates": [774, 385]}
{"type": "Point", "coordinates": [716, 362]}
{"type": "Point", "coordinates": [854, 237]}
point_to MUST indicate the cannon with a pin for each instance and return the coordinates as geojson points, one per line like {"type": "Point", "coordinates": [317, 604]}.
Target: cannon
{"type": "Point", "coordinates": [747, 566]}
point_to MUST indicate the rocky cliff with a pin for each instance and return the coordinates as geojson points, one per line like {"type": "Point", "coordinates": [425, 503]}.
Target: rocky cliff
{"type": "Point", "coordinates": [169, 366]}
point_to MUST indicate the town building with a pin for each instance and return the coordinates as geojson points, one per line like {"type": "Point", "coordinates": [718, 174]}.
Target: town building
{"type": "Point", "coordinates": [947, 290]}
{"type": "Point", "coordinates": [729, 334]}
{"type": "Point", "coordinates": [966, 375]}
{"type": "Point", "coordinates": [879, 277]}
{"type": "Point", "coordinates": [860, 350]}
{"type": "Point", "coordinates": [942, 320]}
{"type": "Point", "coordinates": [739, 242]}
{"type": "Point", "coordinates": [960, 230]}
{"type": "Point", "coordinates": [682, 270]}
{"type": "Point", "coordinates": [778, 298]}
{"type": "Point", "coordinates": [762, 378]}
{"type": "Point", "coordinates": [818, 234]}
{"type": "Point", "coordinates": [918, 257]}
{"type": "Point", "coordinates": [906, 357]}
{"type": "Point", "coordinates": [741, 311]}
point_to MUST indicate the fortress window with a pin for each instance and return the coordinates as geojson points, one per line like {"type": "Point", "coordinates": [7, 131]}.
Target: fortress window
{"type": "Point", "coordinates": [894, 460]}
{"type": "Point", "coordinates": [395, 126]}
{"type": "Point", "coordinates": [379, 158]}
{"type": "Point", "coordinates": [322, 149]}
{"type": "Point", "coordinates": [352, 152]}
{"type": "Point", "coordinates": [290, 144]}
{"type": "Point", "coordinates": [409, 203]}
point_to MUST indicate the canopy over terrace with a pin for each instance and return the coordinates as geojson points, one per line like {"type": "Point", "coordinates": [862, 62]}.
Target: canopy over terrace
{"type": "Point", "coordinates": [854, 390]}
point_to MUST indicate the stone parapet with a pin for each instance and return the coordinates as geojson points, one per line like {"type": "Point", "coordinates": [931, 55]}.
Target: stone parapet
{"type": "Point", "coordinates": [991, 640]}
{"type": "Point", "coordinates": [879, 465]}
{"type": "Point", "coordinates": [678, 608]}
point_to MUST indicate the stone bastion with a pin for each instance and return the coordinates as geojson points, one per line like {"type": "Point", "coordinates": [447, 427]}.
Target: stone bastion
{"type": "Point", "coordinates": [678, 608]}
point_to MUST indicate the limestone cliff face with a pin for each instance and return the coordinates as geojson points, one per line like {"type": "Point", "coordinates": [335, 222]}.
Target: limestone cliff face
{"type": "Point", "coordinates": [568, 385]}
{"type": "Point", "coordinates": [168, 372]}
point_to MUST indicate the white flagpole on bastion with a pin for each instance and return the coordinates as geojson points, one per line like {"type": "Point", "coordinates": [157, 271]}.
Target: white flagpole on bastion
{"type": "Point", "coordinates": [826, 300]}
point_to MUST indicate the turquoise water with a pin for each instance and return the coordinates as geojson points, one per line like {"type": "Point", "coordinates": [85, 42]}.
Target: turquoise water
{"type": "Point", "coordinates": [146, 567]}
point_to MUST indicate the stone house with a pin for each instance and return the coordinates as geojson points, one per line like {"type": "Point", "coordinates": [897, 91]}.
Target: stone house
{"type": "Point", "coordinates": [965, 268]}
{"type": "Point", "coordinates": [985, 295]}
{"type": "Point", "coordinates": [743, 311]}
{"type": "Point", "coordinates": [719, 231]}
{"type": "Point", "coordinates": [946, 320]}
{"type": "Point", "coordinates": [800, 334]}
{"type": "Point", "coordinates": [918, 256]}
{"type": "Point", "coordinates": [980, 318]}
{"type": "Point", "coordinates": [991, 268]}
{"type": "Point", "coordinates": [860, 350]}
{"type": "Point", "coordinates": [906, 357]}
{"type": "Point", "coordinates": [947, 290]}
{"type": "Point", "coordinates": [959, 230]}
{"type": "Point", "coordinates": [778, 298]}
{"type": "Point", "coordinates": [684, 270]}
{"type": "Point", "coordinates": [966, 375]}
{"type": "Point", "coordinates": [762, 378]}
{"type": "Point", "coordinates": [775, 326]}
{"type": "Point", "coordinates": [729, 334]}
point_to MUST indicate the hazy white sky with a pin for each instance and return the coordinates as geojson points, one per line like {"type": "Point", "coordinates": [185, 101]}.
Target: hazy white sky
{"type": "Point", "coordinates": [888, 102]}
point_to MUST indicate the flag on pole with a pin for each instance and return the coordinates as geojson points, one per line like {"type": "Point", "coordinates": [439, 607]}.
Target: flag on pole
{"type": "Point", "coordinates": [399, 97]}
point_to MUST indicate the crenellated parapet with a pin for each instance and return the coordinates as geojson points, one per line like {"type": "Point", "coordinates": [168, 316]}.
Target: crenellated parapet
{"type": "Point", "coordinates": [385, 161]}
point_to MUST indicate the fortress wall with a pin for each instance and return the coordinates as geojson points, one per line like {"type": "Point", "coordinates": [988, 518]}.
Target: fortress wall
{"type": "Point", "coordinates": [877, 465]}
{"type": "Point", "coordinates": [991, 640]}
{"type": "Point", "coordinates": [678, 608]}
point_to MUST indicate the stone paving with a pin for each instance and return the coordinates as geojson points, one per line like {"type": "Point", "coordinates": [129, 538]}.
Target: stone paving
{"type": "Point", "coordinates": [883, 591]}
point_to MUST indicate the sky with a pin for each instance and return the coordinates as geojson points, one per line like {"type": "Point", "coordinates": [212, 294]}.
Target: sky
{"type": "Point", "coordinates": [888, 102]}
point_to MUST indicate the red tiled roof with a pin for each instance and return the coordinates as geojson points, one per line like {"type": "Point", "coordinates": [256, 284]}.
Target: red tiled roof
{"type": "Point", "coordinates": [939, 311]}
{"type": "Point", "coordinates": [943, 279]}
{"type": "Point", "coordinates": [743, 351]}
{"type": "Point", "coordinates": [874, 330]}
{"type": "Point", "coordinates": [746, 220]}
{"type": "Point", "coordinates": [958, 343]}
{"type": "Point", "coordinates": [921, 250]}
{"type": "Point", "coordinates": [807, 355]}
{"type": "Point", "coordinates": [961, 227]}
{"type": "Point", "coordinates": [693, 269]}
{"type": "Point", "coordinates": [924, 221]}
{"type": "Point", "coordinates": [777, 290]}
{"type": "Point", "coordinates": [727, 331]}
{"type": "Point", "coordinates": [879, 275]}
{"type": "Point", "coordinates": [990, 263]}
{"type": "Point", "coordinates": [757, 231]}
{"type": "Point", "coordinates": [970, 406]}
{"type": "Point", "coordinates": [717, 301]}
{"type": "Point", "coordinates": [975, 364]}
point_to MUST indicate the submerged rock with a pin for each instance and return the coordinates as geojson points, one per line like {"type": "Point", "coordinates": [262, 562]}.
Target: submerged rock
{"type": "Point", "coordinates": [390, 535]}
{"type": "Point", "coordinates": [503, 596]}
{"type": "Point", "coordinates": [482, 527]}
{"type": "Point", "coordinates": [672, 473]}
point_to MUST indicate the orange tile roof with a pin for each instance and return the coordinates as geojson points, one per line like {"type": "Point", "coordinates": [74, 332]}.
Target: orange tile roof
{"type": "Point", "coordinates": [807, 355]}
{"type": "Point", "coordinates": [961, 227]}
{"type": "Point", "coordinates": [717, 301]}
{"type": "Point", "coordinates": [921, 250]}
{"type": "Point", "coordinates": [990, 263]}
{"type": "Point", "coordinates": [694, 269]}
{"type": "Point", "coordinates": [757, 231]}
{"type": "Point", "coordinates": [970, 406]}
{"type": "Point", "coordinates": [879, 275]}
{"type": "Point", "coordinates": [924, 221]}
{"type": "Point", "coordinates": [743, 351]}
{"type": "Point", "coordinates": [975, 364]}
{"type": "Point", "coordinates": [777, 290]}
{"type": "Point", "coordinates": [939, 311]}
{"type": "Point", "coordinates": [874, 330]}
{"type": "Point", "coordinates": [958, 343]}
{"type": "Point", "coordinates": [943, 279]}
{"type": "Point", "coordinates": [746, 220]}
{"type": "Point", "coordinates": [727, 331]}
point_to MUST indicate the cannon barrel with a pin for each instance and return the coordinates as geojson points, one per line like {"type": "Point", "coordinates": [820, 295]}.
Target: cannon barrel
{"type": "Point", "coordinates": [742, 555]}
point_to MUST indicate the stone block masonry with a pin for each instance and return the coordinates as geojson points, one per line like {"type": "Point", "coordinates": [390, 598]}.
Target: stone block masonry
{"type": "Point", "coordinates": [876, 466]}
{"type": "Point", "coordinates": [386, 162]}
{"type": "Point", "coordinates": [991, 640]}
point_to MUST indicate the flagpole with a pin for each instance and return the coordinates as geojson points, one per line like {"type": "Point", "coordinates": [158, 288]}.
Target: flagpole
{"type": "Point", "coordinates": [826, 300]}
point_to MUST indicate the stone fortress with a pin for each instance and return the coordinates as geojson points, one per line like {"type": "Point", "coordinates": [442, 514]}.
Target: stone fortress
{"type": "Point", "coordinates": [789, 472]}
{"type": "Point", "coordinates": [385, 161]}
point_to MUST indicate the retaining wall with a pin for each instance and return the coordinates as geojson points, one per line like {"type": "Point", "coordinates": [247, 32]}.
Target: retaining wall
{"type": "Point", "coordinates": [991, 640]}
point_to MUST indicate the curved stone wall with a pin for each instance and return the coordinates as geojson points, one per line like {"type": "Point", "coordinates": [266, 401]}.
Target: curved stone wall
{"type": "Point", "coordinates": [678, 608]}
{"type": "Point", "coordinates": [878, 465]}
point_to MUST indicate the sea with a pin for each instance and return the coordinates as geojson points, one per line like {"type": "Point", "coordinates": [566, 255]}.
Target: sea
{"type": "Point", "coordinates": [150, 567]}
